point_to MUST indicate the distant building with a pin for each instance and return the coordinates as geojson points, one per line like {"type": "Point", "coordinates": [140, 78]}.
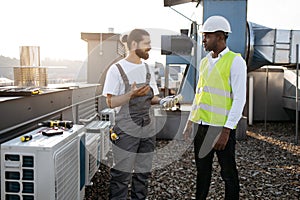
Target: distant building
{"type": "Point", "coordinates": [6, 82]}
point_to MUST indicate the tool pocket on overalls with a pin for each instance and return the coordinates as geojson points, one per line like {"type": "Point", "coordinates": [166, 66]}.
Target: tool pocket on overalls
{"type": "Point", "coordinates": [113, 135]}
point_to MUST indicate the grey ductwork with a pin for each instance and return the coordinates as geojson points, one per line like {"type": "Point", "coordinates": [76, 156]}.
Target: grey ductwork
{"type": "Point", "coordinates": [268, 46]}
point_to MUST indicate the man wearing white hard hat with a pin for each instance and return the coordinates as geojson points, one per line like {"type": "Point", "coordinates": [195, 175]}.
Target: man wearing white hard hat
{"type": "Point", "coordinates": [217, 107]}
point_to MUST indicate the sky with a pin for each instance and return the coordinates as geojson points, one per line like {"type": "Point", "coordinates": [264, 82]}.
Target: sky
{"type": "Point", "coordinates": [56, 25]}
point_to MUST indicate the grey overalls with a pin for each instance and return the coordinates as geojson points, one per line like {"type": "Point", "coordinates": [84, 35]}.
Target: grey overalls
{"type": "Point", "coordinates": [133, 151]}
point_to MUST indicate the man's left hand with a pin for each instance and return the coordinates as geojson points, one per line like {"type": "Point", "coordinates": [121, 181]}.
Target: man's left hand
{"type": "Point", "coordinates": [223, 139]}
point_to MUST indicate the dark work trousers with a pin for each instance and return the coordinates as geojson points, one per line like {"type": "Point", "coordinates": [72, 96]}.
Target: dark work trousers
{"type": "Point", "coordinates": [133, 157]}
{"type": "Point", "coordinates": [226, 159]}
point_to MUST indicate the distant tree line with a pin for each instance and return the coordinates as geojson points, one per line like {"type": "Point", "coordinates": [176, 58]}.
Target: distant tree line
{"type": "Point", "coordinates": [58, 70]}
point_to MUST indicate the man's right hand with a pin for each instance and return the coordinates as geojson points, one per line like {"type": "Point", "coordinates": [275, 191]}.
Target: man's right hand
{"type": "Point", "coordinates": [139, 91]}
{"type": "Point", "coordinates": [119, 100]}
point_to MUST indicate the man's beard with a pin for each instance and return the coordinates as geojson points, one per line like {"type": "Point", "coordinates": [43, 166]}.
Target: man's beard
{"type": "Point", "coordinates": [142, 54]}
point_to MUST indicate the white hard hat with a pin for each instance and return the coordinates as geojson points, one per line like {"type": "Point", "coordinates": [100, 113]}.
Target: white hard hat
{"type": "Point", "coordinates": [216, 23]}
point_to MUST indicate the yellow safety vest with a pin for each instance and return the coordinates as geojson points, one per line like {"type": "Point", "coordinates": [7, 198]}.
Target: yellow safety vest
{"type": "Point", "coordinates": [213, 98]}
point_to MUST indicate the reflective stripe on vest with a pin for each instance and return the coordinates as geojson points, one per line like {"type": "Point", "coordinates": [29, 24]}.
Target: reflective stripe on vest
{"type": "Point", "coordinates": [213, 98]}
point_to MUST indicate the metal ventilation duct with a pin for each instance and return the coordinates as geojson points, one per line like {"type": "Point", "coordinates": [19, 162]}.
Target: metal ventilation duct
{"type": "Point", "coordinates": [176, 45]}
{"type": "Point", "coordinates": [268, 46]}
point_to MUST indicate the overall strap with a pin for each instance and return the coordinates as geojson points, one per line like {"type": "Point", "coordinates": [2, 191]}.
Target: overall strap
{"type": "Point", "coordinates": [124, 77]}
{"type": "Point", "coordinates": [148, 75]}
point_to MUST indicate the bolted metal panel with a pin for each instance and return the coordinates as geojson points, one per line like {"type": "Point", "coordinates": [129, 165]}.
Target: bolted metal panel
{"type": "Point", "coordinates": [295, 39]}
{"type": "Point", "coordinates": [289, 91]}
{"type": "Point", "coordinates": [275, 104]}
